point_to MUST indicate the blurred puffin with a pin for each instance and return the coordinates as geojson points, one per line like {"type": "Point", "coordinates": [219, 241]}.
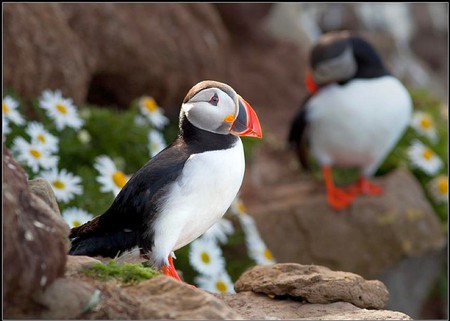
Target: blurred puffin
{"type": "Point", "coordinates": [354, 116]}
{"type": "Point", "coordinates": [182, 191]}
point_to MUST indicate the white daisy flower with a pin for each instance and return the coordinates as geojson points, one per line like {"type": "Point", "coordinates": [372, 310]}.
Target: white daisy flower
{"type": "Point", "coordinates": [75, 216]}
{"type": "Point", "coordinates": [424, 158]}
{"type": "Point", "coordinates": [111, 179]}
{"type": "Point", "coordinates": [156, 142]}
{"type": "Point", "coordinates": [60, 109]}
{"type": "Point", "coordinates": [258, 250]}
{"type": "Point", "coordinates": [424, 125]}
{"type": "Point", "coordinates": [438, 188]}
{"type": "Point", "coordinates": [41, 136]}
{"type": "Point", "coordinates": [9, 108]}
{"type": "Point", "coordinates": [140, 120]}
{"type": "Point", "coordinates": [217, 283]}
{"type": "Point", "coordinates": [206, 256]}
{"type": "Point", "coordinates": [220, 231]}
{"type": "Point", "coordinates": [84, 136]}
{"type": "Point", "coordinates": [5, 126]}
{"type": "Point", "coordinates": [33, 155]}
{"type": "Point", "coordinates": [65, 185]}
{"type": "Point", "coordinates": [154, 113]}
{"type": "Point", "coordinates": [237, 207]}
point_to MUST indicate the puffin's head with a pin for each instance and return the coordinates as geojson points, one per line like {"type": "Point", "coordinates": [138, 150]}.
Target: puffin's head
{"type": "Point", "coordinates": [215, 107]}
{"type": "Point", "coordinates": [340, 56]}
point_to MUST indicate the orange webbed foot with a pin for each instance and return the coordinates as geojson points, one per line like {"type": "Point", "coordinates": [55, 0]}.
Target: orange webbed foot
{"type": "Point", "coordinates": [365, 187]}
{"type": "Point", "coordinates": [339, 199]}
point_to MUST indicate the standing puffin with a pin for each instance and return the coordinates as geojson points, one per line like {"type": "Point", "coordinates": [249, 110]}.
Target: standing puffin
{"type": "Point", "coordinates": [182, 191]}
{"type": "Point", "coordinates": [354, 116]}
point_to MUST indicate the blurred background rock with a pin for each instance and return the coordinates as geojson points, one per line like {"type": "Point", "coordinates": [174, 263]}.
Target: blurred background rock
{"type": "Point", "coordinates": [108, 54]}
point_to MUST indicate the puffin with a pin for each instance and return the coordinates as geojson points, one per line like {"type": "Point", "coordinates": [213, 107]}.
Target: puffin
{"type": "Point", "coordinates": [184, 189]}
{"type": "Point", "coordinates": [353, 116]}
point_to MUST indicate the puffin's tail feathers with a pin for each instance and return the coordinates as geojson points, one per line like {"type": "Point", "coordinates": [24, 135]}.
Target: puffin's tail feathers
{"type": "Point", "coordinates": [105, 245]}
{"type": "Point", "coordinates": [298, 136]}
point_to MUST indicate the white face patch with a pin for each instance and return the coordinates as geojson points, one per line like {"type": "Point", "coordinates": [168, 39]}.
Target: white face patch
{"type": "Point", "coordinates": [208, 110]}
{"type": "Point", "coordinates": [339, 68]}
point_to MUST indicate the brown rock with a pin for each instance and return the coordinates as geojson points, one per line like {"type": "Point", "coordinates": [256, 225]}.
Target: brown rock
{"type": "Point", "coordinates": [112, 53]}
{"type": "Point", "coordinates": [42, 188]}
{"type": "Point", "coordinates": [76, 264]}
{"type": "Point", "coordinates": [41, 52]}
{"type": "Point", "coordinates": [66, 299]}
{"type": "Point", "coordinates": [165, 298]}
{"type": "Point", "coordinates": [108, 53]}
{"type": "Point", "coordinates": [315, 284]}
{"type": "Point", "coordinates": [35, 243]}
{"type": "Point", "coordinates": [254, 306]}
{"type": "Point", "coordinates": [372, 235]}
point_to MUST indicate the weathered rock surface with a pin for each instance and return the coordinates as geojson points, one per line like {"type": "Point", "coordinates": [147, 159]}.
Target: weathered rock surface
{"type": "Point", "coordinates": [314, 284]}
{"type": "Point", "coordinates": [372, 235]}
{"type": "Point", "coordinates": [166, 298]}
{"type": "Point", "coordinates": [66, 299]}
{"type": "Point", "coordinates": [76, 264]}
{"type": "Point", "coordinates": [42, 188]}
{"type": "Point", "coordinates": [113, 53]}
{"type": "Point", "coordinates": [254, 306]}
{"type": "Point", "coordinates": [34, 241]}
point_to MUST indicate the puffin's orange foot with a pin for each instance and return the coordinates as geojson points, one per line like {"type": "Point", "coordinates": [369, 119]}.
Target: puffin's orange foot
{"type": "Point", "coordinates": [170, 270]}
{"type": "Point", "coordinates": [339, 199]}
{"type": "Point", "coordinates": [364, 187]}
{"type": "Point", "coordinates": [371, 189]}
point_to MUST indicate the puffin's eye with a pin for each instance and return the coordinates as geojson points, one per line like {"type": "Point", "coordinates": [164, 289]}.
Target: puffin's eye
{"type": "Point", "coordinates": [214, 100]}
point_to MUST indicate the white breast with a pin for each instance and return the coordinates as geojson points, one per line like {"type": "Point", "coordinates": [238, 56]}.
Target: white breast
{"type": "Point", "coordinates": [359, 123]}
{"type": "Point", "coordinates": [208, 184]}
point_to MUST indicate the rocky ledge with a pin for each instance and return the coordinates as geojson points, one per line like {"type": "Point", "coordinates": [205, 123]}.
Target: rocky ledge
{"type": "Point", "coordinates": [45, 283]}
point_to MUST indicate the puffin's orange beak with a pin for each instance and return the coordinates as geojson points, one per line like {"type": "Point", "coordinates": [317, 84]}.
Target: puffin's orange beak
{"type": "Point", "coordinates": [247, 122]}
{"type": "Point", "coordinates": [310, 84]}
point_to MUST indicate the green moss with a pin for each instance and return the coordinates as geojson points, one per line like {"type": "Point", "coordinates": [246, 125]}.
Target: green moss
{"type": "Point", "coordinates": [128, 273]}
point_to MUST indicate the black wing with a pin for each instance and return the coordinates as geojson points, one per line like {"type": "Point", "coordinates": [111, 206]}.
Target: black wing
{"type": "Point", "coordinates": [127, 223]}
{"type": "Point", "coordinates": [298, 138]}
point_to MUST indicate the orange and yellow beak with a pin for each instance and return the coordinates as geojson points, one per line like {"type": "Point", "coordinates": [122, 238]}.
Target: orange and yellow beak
{"type": "Point", "coordinates": [247, 122]}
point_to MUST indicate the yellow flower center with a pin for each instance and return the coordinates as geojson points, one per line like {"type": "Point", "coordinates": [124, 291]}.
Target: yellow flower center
{"type": "Point", "coordinates": [41, 138]}
{"type": "Point", "coordinates": [242, 207]}
{"type": "Point", "coordinates": [428, 154]}
{"type": "Point", "coordinates": [119, 179]}
{"type": "Point", "coordinates": [76, 223]}
{"type": "Point", "coordinates": [61, 108]}
{"type": "Point", "coordinates": [268, 254]}
{"type": "Point", "coordinates": [221, 286]}
{"type": "Point", "coordinates": [426, 122]}
{"type": "Point", "coordinates": [5, 108]}
{"type": "Point", "coordinates": [205, 257]}
{"type": "Point", "coordinates": [443, 186]}
{"type": "Point", "coordinates": [150, 104]}
{"type": "Point", "coordinates": [35, 153]}
{"type": "Point", "coordinates": [58, 184]}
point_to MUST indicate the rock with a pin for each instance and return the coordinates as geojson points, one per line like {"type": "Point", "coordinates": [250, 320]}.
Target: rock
{"type": "Point", "coordinates": [35, 242]}
{"type": "Point", "coordinates": [66, 299]}
{"type": "Point", "coordinates": [314, 284]}
{"type": "Point", "coordinates": [110, 54]}
{"type": "Point", "coordinates": [161, 297]}
{"type": "Point", "coordinates": [42, 188]}
{"type": "Point", "coordinates": [411, 281]}
{"type": "Point", "coordinates": [113, 53]}
{"type": "Point", "coordinates": [76, 264]}
{"type": "Point", "coordinates": [369, 237]}
{"type": "Point", "coordinates": [254, 306]}
{"type": "Point", "coordinates": [165, 298]}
